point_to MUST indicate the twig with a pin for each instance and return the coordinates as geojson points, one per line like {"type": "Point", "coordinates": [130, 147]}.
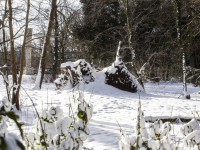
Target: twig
{"type": "Point", "coordinates": [165, 85]}
{"type": "Point", "coordinates": [47, 98]}
{"type": "Point", "coordinates": [70, 106]}
{"type": "Point", "coordinates": [37, 115]}
{"type": "Point", "coordinates": [171, 114]}
{"type": "Point", "coordinates": [180, 95]}
{"type": "Point", "coordinates": [91, 95]}
{"type": "Point", "coordinates": [120, 127]}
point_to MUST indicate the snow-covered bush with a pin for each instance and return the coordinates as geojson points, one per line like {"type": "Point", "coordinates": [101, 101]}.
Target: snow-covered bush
{"type": "Point", "coordinates": [48, 120]}
{"type": "Point", "coordinates": [136, 141]}
{"type": "Point", "coordinates": [61, 81]}
{"type": "Point", "coordinates": [191, 132]}
{"type": "Point", "coordinates": [8, 141]}
{"type": "Point", "coordinates": [159, 136]}
{"type": "Point", "coordinates": [59, 131]}
{"type": "Point", "coordinates": [75, 72]}
{"type": "Point", "coordinates": [155, 137]}
{"type": "Point", "coordinates": [118, 76]}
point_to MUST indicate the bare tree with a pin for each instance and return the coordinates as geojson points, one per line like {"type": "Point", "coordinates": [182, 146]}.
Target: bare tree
{"type": "Point", "coordinates": [129, 23]}
{"type": "Point", "coordinates": [22, 53]}
{"type": "Point", "coordinates": [15, 97]}
{"type": "Point", "coordinates": [16, 81]}
{"type": "Point", "coordinates": [42, 65]}
{"type": "Point", "coordinates": [177, 6]}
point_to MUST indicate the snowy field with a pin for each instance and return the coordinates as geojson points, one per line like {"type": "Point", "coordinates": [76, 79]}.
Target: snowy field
{"type": "Point", "coordinates": [111, 106]}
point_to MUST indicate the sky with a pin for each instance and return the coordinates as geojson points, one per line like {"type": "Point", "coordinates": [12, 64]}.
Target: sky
{"type": "Point", "coordinates": [39, 20]}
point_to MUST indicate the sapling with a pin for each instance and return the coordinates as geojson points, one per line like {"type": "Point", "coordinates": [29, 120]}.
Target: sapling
{"type": "Point", "coordinates": [48, 120]}
{"type": "Point", "coordinates": [61, 132]}
{"type": "Point", "coordinates": [78, 131]}
{"type": "Point", "coordinates": [8, 140]}
{"type": "Point", "coordinates": [138, 141]}
{"type": "Point", "coordinates": [191, 133]}
{"type": "Point", "coordinates": [156, 137]}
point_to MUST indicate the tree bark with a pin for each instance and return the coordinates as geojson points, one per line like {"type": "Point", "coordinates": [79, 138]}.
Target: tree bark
{"type": "Point", "coordinates": [180, 44]}
{"type": "Point", "coordinates": [62, 47]}
{"type": "Point", "coordinates": [55, 47]}
{"type": "Point", "coordinates": [23, 51]}
{"type": "Point", "coordinates": [43, 59]}
{"type": "Point", "coordinates": [15, 97]}
{"type": "Point", "coordinates": [132, 50]}
{"type": "Point", "coordinates": [5, 54]}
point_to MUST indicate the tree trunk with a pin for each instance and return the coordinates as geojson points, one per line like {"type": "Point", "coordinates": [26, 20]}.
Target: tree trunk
{"type": "Point", "coordinates": [15, 97]}
{"type": "Point", "coordinates": [55, 47]}
{"type": "Point", "coordinates": [23, 50]}
{"type": "Point", "coordinates": [43, 59]}
{"type": "Point", "coordinates": [131, 44]}
{"type": "Point", "coordinates": [63, 47]}
{"type": "Point", "coordinates": [5, 54]}
{"type": "Point", "coordinates": [180, 44]}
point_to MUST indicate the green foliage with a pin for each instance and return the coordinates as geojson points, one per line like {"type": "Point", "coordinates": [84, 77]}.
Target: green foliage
{"type": "Point", "coordinates": [19, 144]}
{"type": "Point", "coordinates": [60, 130]}
{"type": "Point", "coordinates": [2, 143]}
{"type": "Point", "coordinates": [15, 117]}
{"type": "Point", "coordinates": [5, 112]}
{"type": "Point", "coordinates": [156, 137]}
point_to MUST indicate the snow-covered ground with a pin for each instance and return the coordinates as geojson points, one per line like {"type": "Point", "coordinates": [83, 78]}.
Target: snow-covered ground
{"type": "Point", "coordinates": [111, 106]}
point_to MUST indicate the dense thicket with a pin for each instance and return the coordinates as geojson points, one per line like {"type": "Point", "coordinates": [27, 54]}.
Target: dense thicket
{"type": "Point", "coordinates": [154, 34]}
{"type": "Point", "coordinates": [100, 29]}
{"type": "Point", "coordinates": [93, 32]}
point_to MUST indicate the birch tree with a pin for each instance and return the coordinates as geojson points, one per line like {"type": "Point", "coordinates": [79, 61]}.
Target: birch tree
{"type": "Point", "coordinates": [129, 23]}
{"type": "Point", "coordinates": [43, 59]}
{"type": "Point", "coordinates": [177, 5]}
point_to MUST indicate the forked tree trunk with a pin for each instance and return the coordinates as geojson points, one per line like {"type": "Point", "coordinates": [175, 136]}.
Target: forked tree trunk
{"type": "Point", "coordinates": [15, 97]}
{"type": "Point", "coordinates": [43, 59]}
{"type": "Point", "coordinates": [177, 5]}
{"type": "Point", "coordinates": [16, 83]}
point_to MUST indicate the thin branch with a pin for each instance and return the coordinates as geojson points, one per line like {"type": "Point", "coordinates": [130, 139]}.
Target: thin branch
{"type": "Point", "coordinates": [37, 115]}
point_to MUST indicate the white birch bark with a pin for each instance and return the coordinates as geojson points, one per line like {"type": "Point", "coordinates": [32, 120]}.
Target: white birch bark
{"type": "Point", "coordinates": [117, 56]}
{"type": "Point", "coordinates": [184, 74]}
{"type": "Point", "coordinates": [180, 44]}
{"type": "Point", "coordinates": [39, 74]}
{"type": "Point", "coordinates": [132, 50]}
{"type": "Point", "coordinates": [44, 54]}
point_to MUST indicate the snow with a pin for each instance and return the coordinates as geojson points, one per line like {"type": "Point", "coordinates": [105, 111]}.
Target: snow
{"type": "Point", "coordinates": [118, 49]}
{"type": "Point", "coordinates": [110, 107]}
{"type": "Point", "coordinates": [72, 64]}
